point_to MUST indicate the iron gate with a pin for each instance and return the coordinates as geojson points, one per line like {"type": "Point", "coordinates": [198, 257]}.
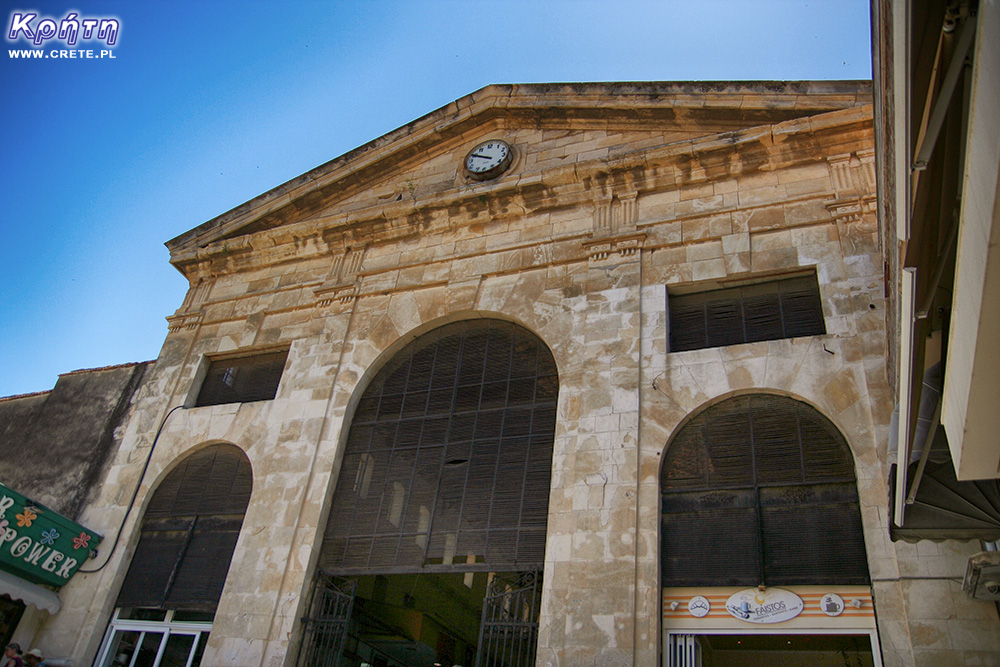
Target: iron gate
{"type": "Point", "coordinates": [325, 629]}
{"type": "Point", "coordinates": [508, 634]}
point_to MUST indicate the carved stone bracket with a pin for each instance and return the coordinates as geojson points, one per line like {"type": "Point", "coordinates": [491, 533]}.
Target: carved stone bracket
{"type": "Point", "coordinates": [840, 174]}
{"type": "Point", "coordinates": [329, 295]}
{"type": "Point", "coordinates": [602, 216]}
{"type": "Point", "coordinates": [867, 158]}
{"type": "Point", "coordinates": [626, 246]}
{"type": "Point", "coordinates": [853, 174]}
{"type": "Point", "coordinates": [851, 209]}
{"type": "Point", "coordinates": [629, 209]}
{"type": "Point", "coordinates": [618, 212]}
{"type": "Point", "coordinates": [184, 321]}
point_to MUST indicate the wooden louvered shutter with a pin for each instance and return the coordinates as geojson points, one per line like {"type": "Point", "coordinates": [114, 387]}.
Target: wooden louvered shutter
{"type": "Point", "coordinates": [449, 456]}
{"type": "Point", "coordinates": [688, 330]}
{"type": "Point", "coordinates": [242, 379]}
{"type": "Point", "coordinates": [812, 535]}
{"type": "Point", "coordinates": [710, 538]}
{"type": "Point", "coordinates": [760, 489]}
{"type": "Point", "coordinates": [764, 311]}
{"type": "Point", "coordinates": [161, 547]}
{"type": "Point", "coordinates": [801, 308]}
{"type": "Point", "coordinates": [189, 532]}
{"type": "Point", "coordinates": [724, 318]}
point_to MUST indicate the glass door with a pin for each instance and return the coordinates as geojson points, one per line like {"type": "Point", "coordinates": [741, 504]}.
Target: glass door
{"type": "Point", "coordinates": [154, 638]}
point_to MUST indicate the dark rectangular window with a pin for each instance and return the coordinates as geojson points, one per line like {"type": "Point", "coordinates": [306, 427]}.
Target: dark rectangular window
{"type": "Point", "coordinates": [770, 310]}
{"type": "Point", "coordinates": [242, 379]}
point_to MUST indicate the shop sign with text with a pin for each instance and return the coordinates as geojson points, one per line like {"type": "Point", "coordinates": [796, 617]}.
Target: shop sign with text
{"type": "Point", "coordinates": [40, 545]}
{"type": "Point", "coordinates": [771, 605]}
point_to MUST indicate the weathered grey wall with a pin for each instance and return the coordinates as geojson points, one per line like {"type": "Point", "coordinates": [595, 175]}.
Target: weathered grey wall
{"type": "Point", "coordinates": [55, 445]}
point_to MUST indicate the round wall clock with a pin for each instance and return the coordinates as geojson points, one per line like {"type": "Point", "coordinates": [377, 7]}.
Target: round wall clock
{"type": "Point", "coordinates": [488, 160]}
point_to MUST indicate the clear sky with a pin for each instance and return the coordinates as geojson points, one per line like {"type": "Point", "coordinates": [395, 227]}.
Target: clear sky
{"type": "Point", "coordinates": [207, 104]}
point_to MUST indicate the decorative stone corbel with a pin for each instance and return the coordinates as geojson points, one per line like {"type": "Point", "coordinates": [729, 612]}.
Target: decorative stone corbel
{"type": "Point", "coordinates": [598, 250]}
{"type": "Point", "coordinates": [334, 295]}
{"type": "Point", "coordinates": [341, 286]}
{"type": "Point", "coordinates": [628, 246]}
{"type": "Point", "coordinates": [841, 175]}
{"type": "Point", "coordinates": [867, 158]}
{"type": "Point", "coordinates": [853, 179]}
{"type": "Point", "coordinates": [845, 210]}
{"type": "Point", "coordinates": [180, 321]}
{"type": "Point", "coordinates": [602, 216]}
{"type": "Point", "coordinates": [629, 209]}
{"type": "Point", "coordinates": [625, 246]}
{"type": "Point", "coordinates": [616, 212]}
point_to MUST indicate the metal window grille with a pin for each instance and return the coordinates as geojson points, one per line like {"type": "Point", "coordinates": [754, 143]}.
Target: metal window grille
{"type": "Point", "coordinates": [449, 456]}
{"type": "Point", "coordinates": [764, 311]}
{"type": "Point", "coordinates": [760, 489]}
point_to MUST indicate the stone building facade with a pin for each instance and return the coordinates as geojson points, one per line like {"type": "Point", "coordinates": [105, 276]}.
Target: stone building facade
{"type": "Point", "coordinates": [557, 224]}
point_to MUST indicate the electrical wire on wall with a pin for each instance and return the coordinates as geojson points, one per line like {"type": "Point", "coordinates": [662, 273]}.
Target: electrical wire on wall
{"type": "Point", "coordinates": [135, 494]}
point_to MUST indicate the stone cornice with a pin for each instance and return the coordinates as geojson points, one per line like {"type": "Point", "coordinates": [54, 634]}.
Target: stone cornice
{"type": "Point", "coordinates": [768, 147]}
{"type": "Point", "coordinates": [622, 105]}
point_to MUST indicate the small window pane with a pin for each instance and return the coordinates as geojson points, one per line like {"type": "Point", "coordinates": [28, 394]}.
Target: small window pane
{"type": "Point", "coordinates": [177, 651]}
{"type": "Point", "coordinates": [148, 647]}
{"type": "Point", "coordinates": [142, 614]}
{"type": "Point", "coordinates": [123, 645]}
{"type": "Point", "coordinates": [189, 616]}
{"type": "Point", "coordinates": [199, 650]}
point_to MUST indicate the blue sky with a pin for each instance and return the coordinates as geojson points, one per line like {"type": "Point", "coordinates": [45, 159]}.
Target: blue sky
{"type": "Point", "coordinates": [208, 104]}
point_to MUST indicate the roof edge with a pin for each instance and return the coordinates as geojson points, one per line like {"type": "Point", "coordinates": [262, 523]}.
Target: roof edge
{"type": "Point", "coordinates": [489, 96]}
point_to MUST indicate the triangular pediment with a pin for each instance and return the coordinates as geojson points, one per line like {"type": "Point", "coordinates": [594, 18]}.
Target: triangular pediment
{"type": "Point", "coordinates": [556, 131]}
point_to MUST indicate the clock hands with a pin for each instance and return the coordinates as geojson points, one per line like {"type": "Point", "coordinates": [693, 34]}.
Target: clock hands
{"type": "Point", "coordinates": [488, 160]}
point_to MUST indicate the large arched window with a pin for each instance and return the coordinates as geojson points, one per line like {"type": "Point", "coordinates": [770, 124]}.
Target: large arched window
{"type": "Point", "coordinates": [448, 459]}
{"type": "Point", "coordinates": [189, 532]}
{"type": "Point", "coordinates": [170, 594]}
{"type": "Point", "coordinates": [760, 489]}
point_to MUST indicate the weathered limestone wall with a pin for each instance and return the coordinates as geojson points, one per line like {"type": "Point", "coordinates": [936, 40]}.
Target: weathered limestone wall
{"type": "Point", "coordinates": [581, 248]}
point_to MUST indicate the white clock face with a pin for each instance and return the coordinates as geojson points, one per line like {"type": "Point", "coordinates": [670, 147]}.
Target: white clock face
{"type": "Point", "coordinates": [488, 158]}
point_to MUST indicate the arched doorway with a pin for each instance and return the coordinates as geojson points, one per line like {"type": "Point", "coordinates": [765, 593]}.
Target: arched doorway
{"type": "Point", "coordinates": [167, 602]}
{"type": "Point", "coordinates": [436, 537]}
{"type": "Point", "coordinates": [760, 528]}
